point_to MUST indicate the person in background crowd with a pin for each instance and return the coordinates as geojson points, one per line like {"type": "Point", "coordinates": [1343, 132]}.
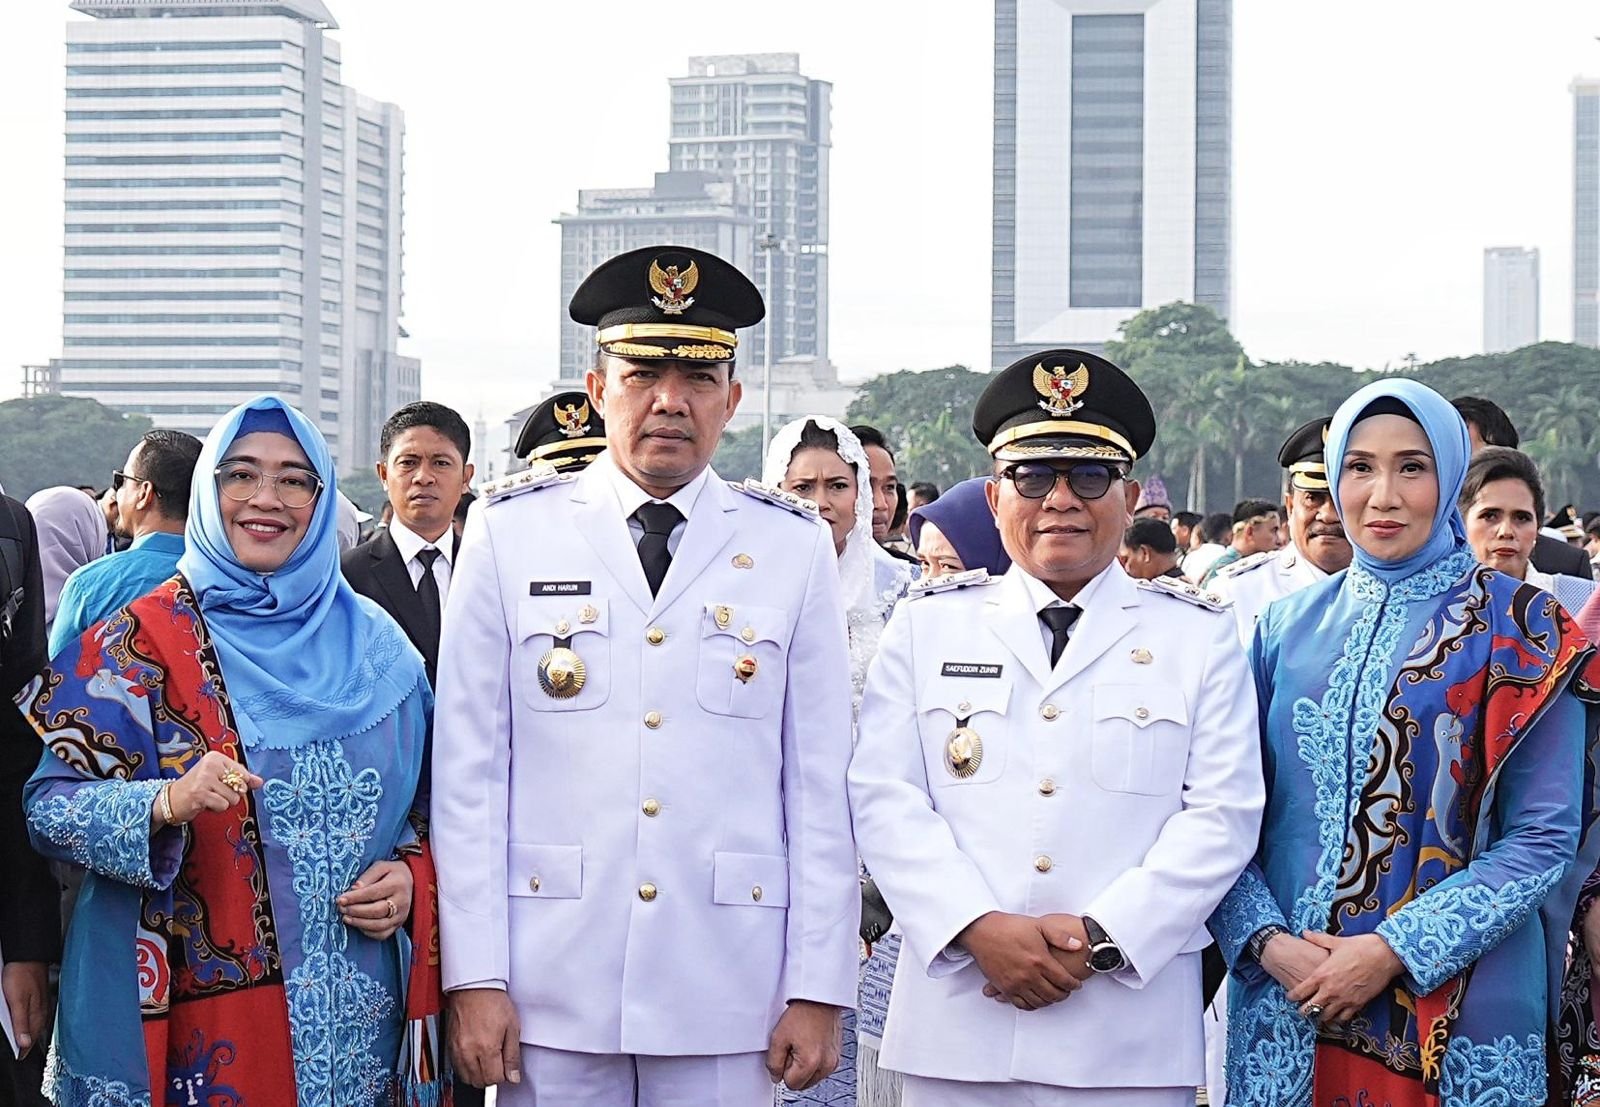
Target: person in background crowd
{"type": "Point", "coordinates": [1149, 550]}
{"type": "Point", "coordinates": [108, 507]}
{"type": "Point", "coordinates": [885, 482]}
{"type": "Point", "coordinates": [898, 543]}
{"type": "Point", "coordinates": [1502, 501]}
{"type": "Point", "coordinates": [406, 568]}
{"type": "Point", "coordinates": [1425, 799]}
{"type": "Point", "coordinates": [71, 534]}
{"type": "Point", "coordinates": [564, 430]}
{"type": "Point", "coordinates": [1153, 502]}
{"type": "Point", "coordinates": [1208, 542]}
{"type": "Point", "coordinates": [923, 493]}
{"type": "Point", "coordinates": [347, 523]}
{"type": "Point", "coordinates": [152, 500]}
{"type": "Point", "coordinates": [1183, 525]}
{"type": "Point", "coordinates": [1489, 425]}
{"type": "Point", "coordinates": [458, 522]}
{"type": "Point", "coordinates": [647, 874]}
{"type": "Point", "coordinates": [1257, 528]}
{"type": "Point", "coordinates": [30, 919]}
{"type": "Point", "coordinates": [1591, 537]}
{"type": "Point", "coordinates": [235, 759]}
{"type": "Point", "coordinates": [1008, 725]}
{"type": "Point", "coordinates": [818, 459]}
{"type": "Point", "coordinates": [956, 533]}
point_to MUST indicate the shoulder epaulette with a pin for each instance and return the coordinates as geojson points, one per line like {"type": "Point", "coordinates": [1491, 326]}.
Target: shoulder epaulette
{"type": "Point", "coordinates": [799, 505]}
{"type": "Point", "coordinates": [950, 582]}
{"type": "Point", "coordinates": [1183, 590]}
{"type": "Point", "coordinates": [539, 476]}
{"type": "Point", "coordinates": [1245, 564]}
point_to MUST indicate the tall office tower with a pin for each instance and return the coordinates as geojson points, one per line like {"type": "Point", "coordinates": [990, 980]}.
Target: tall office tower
{"type": "Point", "coordinates": [756, 120]}
{"type": "Point", "coordinates": [233, 220]}
{"type": "Point", "coordinates": [1586, 211]}
{"type": "Point", "coordinates": [685, 209]}
{"type": "Point", "coordinates": [1113, 165]}
{"type": "Point", "coordinates": [1510, 298]}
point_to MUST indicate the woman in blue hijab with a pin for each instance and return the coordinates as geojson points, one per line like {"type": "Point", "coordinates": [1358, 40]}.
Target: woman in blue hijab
{"type": "Point", "coordinates": [235, 757]}
{"type": "Point", "coordinates": [957, 532]}
{"type": "Point", "coordinates": [1399, 937]}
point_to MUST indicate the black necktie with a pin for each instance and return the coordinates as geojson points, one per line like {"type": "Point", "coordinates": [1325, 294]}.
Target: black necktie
{"type": "Point", "coordinates": [1059, 620]}
{"type": "Point", "coordinates": [428, 600]}
{"type": "Point", "coordinates": [658, 521]}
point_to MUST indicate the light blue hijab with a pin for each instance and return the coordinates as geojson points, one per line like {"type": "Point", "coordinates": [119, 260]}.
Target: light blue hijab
{"type": "Point", "coordinates": [1452, 452]}
{"type": "Point", "coordinates": [303, 657]}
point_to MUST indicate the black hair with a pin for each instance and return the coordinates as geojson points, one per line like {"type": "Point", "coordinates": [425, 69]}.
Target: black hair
{"type": "Point", "coordinates": [1190, 519]}
{"type": "Point", "coordinates": [1245, 510]}
{"type": "Point", "coordinates": [1591, 529]}
{"type": "Point", "coordinates": [1217, 528]}
{"type": "Point", "coordinates": [426, 413]}
{"type": "Point", "coordinates": [902, 507]}
{"type": "Point", "coordinates": [467, 500]}
{"type": "Point", "coordinates": [1154, 533]}
{"type": "Point", "coordinates": [927, 490]}
{"type": "Point", "coordinates": [1494, 425]}
{"type": "Point", "coordinates": [872, 436]}
{"type": "Point", "coordinates": [1502, 463]}
{"type": "Point", "coordinates": [167, 459]}
{"type": "Point", "coordinates": [813, 437]}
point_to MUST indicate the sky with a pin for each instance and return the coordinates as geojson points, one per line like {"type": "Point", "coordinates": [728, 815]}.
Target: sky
{"type": "Point", "coordinates": [1379, 147]}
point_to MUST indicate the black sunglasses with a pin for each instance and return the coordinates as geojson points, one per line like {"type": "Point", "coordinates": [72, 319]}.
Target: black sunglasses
{"type": "Point", "coordinates": [1089, 480]}
{"type": "Point", "coordinates": [118, 477]}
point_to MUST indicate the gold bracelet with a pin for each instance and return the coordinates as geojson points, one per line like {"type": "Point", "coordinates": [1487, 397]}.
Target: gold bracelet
{"type": "Point", "coordinates": [166, 804]}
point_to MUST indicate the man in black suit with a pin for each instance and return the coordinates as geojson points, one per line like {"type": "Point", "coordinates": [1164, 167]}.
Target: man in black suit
{"type": "Point", "coordinates": [30, 906]}
{"type": "Point", "coordinates": [1489, 425]}
{"type": "Point", "coordinates": [405, 567]}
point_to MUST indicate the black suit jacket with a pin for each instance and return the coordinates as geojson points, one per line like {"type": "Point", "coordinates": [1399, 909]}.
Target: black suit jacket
{"type": "Point", "coordinates": [376, 570]}
{"type": "Point", "coordinates": [1551, 555]}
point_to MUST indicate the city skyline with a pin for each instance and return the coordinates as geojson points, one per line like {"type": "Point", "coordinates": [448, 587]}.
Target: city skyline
{"type": "Point", "coordinates": [1358, 229]}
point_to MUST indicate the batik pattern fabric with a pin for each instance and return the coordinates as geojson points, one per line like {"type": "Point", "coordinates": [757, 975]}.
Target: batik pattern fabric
{"type": "Point", "coordinates": [1575, 1075]}
{"type": "Point", "coordinates": [207, 963]}
{"type": "Point", "coordinates": [1440, 758]}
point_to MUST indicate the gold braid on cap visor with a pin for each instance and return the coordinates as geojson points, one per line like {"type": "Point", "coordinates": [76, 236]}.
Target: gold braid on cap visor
{"type": "Point", "coordinates": [1056, 428]}
{"type": "Point", "coordinates": [1309, 475]}
{"type": "Point", "coordinates": [702, 343]}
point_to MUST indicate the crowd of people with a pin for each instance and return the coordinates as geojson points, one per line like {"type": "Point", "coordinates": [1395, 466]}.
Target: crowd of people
{"type": "Point", "coordinates": [634, 786]}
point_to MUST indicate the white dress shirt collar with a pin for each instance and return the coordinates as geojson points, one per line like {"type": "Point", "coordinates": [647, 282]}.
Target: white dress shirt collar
{"type": "Point", "coordinates": [632, 497]}
{"type": "Point", "coordinates": [1041, 595]}
{"type": "Point", "coordinates": [410, 543]}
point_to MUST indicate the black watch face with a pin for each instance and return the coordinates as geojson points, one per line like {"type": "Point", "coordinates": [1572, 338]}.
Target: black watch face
{"type": "Point", "coordinates": [1108, 959]}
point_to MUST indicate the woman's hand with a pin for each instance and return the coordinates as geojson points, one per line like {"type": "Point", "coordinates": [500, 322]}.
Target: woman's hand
{"type": "Point", "coordinates": [215, 783]}
{"type": "Point", "coordinates": [379, 902]}
{"type": "Point", "coordinates": [1356, 970]}
{"type": "Point", "coordinates": [1289, 960]}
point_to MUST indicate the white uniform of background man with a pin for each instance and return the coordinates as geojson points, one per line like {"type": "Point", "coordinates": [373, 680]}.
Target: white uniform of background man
{"type": "Point", "coordinates": [1057, 779]}
{"type": "Point", "coordinates": [647, 879]}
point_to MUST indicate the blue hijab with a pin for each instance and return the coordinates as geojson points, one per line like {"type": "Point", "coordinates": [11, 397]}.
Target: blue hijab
{"type": "Point", "coordinates": [1452, 451]}
{"type": "Point", "coordinates": [962, 515]}
{"type": "Point", "coordinates": [303, 657]}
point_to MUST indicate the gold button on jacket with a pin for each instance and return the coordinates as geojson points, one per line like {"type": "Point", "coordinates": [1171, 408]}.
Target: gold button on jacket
{"type": "Point", "coordinates": [647, 892]}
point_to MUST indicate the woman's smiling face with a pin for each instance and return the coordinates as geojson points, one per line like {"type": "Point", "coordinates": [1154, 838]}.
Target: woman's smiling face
{"type": "Point", "coordinates": [262, 468]}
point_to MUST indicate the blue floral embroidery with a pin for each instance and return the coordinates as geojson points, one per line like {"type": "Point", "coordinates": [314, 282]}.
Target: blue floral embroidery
{"type": "Point", "coordinates": [1502, 1073]}
{"type": "Point", "coordinates": [1246, 908]}
{"type": "Point", "coordinates": [104, 825]}
{"type": "Point", "coordinates": [67, 1089]}
{"type": "Point", "coordinates": [324, 815]}
{"type": "Point", "coordinates": [1270, 1048]}
{"type": "Point", "coordinates": [1447, 928]}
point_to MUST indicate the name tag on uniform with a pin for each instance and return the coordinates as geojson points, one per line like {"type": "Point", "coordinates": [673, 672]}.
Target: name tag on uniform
{"type": "Point", "coordinates": [558, 588]}
{"type": "Point", "coordinates": [969, 669]}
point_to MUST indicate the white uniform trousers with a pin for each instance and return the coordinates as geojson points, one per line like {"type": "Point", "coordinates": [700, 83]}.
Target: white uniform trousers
{"type": "Point", "coordinates": [557, 1078]}
{"type": "Point", "coordinates": [923, 1091]}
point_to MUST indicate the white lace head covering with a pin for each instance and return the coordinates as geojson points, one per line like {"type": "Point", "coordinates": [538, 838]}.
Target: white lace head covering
{"type": "Point", "coordinates": [855, 561]}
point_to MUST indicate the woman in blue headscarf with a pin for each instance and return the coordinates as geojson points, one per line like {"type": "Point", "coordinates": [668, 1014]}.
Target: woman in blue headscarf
{"type": "Point", "coordinates": [1399, 937]}
{"type": "Point", "coordinates": [235, 757]}
{"type": "Point", "coordinates": [957, 532]}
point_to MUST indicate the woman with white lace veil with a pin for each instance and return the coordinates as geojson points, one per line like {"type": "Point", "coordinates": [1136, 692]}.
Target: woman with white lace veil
{"type": "Point", "coordinates": [819, 458]}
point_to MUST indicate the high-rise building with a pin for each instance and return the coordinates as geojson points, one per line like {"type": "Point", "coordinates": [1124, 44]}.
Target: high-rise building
{"type": "Point", "coordinates": [756, 120]}
{"type": "Point", "coordinates": [1510, 298]}
{"type": "Point", "coordinates": [1586, 211]}
{"type": "Point", "coordinates": [233, 219]}
{"type": "Point", "coordinates": [701, 210]}
{"type": "Point", "coordinates": [1113, 166]}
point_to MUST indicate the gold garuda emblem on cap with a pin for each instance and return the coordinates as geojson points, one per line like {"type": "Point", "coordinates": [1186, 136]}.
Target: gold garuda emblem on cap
{"type": "Point", "coordinates": [1061, 390]}
{"type": "Point", "coordinates": [673, 287]}
{"type": "Point", "coordinates": [573, 420]}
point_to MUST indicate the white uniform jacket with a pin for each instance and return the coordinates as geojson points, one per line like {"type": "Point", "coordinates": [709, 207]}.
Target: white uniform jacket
{"type": "Point", "coordinates": [1256, 581]}
{"type": "Point", "coordinates": [660, 862]}
{"type": "Point", "coordinates": [1124, 784]}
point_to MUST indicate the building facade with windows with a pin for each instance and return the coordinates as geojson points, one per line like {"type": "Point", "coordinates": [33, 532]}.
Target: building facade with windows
{"type": "Point", "coordinates": [1112, 166]}
{"type": "Point", "coordinates": [1510, 298]}
{"type": "Point", "coordinates": [233, 219]}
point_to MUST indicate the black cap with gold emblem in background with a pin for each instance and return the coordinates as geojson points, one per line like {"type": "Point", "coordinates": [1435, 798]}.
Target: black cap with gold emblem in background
{"type": "Point", "coordinates": [1064, 404]}
{"type": "Point", "coordinates": [565, 430]}
{"type": "Point", "coordinates": [1302, 455]}
{"type": "Point", "coordinates": [667, 302]}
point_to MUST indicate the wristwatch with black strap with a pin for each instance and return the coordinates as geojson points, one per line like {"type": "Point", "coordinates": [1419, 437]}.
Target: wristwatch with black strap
{"type": "Point", "coordinates": [1257, 945]}
{"type": "Point", "coordinates": [1104, 954]}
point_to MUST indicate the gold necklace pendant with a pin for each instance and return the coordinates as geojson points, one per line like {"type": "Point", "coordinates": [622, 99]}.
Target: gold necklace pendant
{"type": "Point", "coordinates": [562, 673]}
{"type": "Point", "coordinates": [963, 752]}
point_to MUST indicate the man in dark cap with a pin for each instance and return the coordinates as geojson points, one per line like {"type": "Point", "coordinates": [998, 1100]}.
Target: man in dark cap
{"type": "Point", "coordinates": [1317, 545]}
{"type": "Point", "coordinates": [1058, 784]}
{"type": "Point", "coordinates": [563, 431]}
{"type": "Point", "coordinates": [648, 884]}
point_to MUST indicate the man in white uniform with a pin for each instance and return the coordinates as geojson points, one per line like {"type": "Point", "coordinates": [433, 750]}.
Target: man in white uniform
{"type": "Point", "coordinates": [1051, 787]}
{"type": "Point", "coordinates": [647, 881]}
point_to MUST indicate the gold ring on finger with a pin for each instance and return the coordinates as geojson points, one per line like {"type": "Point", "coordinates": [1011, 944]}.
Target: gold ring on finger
{"type": "Point", "coordinates": [393, 911]}
{"type": "Point", "coordinates": [234, 779]}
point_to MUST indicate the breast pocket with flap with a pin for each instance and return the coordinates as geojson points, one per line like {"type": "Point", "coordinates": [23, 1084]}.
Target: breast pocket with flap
{"type": "Point", "coordinates": [542, 623]}
{"type": "Point", "coordinates": [743, 668]}
{"type": "Point", "coordinates": [976, 707]}
{"type": "Point", "coordinates": [1139, 738]}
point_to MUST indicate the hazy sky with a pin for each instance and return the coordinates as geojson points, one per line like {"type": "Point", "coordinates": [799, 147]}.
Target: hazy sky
{"type": "Point", "coordinates": [1379, 146]}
